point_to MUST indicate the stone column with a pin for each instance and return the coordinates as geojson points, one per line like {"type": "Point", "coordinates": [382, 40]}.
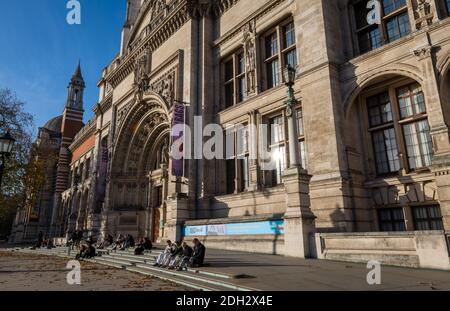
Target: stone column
{"type": "Point", "coordinates": [299, 221]}
{"type": "Point", "coordinates": [253, 146]}
{"type": "Point", "coordinates": [177, 214]}
{"type": "Point", "coordinates": [438, 127]}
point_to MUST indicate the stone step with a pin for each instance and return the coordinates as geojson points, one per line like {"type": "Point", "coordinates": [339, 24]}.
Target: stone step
{"type": "Point", "coordinates": [116, 262]}
{"type": "Point", "coordinates": [132, 260]}
{"type": "Point", "coordinates": [194, 285]}
{"type": "Point", "coordinates": [195, 277]}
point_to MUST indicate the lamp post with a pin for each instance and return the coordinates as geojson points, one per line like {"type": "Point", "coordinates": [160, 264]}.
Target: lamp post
{"type": "Point", "coordinates": [291, 102]}
{"type": "Point", "coordinates": [6, 145]}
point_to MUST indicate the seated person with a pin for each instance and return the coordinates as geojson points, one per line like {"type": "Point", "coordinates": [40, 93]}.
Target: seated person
{"type": "Point", "coordinates": [175, 256]}
{"type": "Point", "coordinates": [80, 252]}
{"type": "Point", "coordinates": [186, 256]}
{"type": "Point", "coordinates": [198, 257]}
{"type": "Point", "coordinates": [144, 245]}
{"type": "Point", "coordinates": [163, 257]}
{"type": "Point", "coordinates": [119, 242]}
{"type": "Point", "coordinates": [89, 252]}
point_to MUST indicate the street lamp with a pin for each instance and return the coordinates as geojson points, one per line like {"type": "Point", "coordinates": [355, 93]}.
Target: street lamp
{"type": "Point", "coordinates": [294, 149]}
{"type": "Point", "coordinates": [6, 145]}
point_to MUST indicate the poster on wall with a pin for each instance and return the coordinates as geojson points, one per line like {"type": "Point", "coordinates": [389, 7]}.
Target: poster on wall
{"type": "Point", "coordinates": [178, 136]}
{"type": "Point", "coordinates": [272, 227]}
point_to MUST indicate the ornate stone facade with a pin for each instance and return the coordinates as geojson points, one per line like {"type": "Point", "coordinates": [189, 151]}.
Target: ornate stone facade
{"type": "Point", "coordinates": [373, 121]}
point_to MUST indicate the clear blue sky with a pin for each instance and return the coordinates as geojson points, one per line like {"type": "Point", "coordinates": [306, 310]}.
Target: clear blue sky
{"type": "Point", "coordinates": [39, 51]}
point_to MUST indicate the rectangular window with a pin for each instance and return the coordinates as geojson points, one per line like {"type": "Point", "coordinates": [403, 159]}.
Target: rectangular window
{"type": "Point", "coordinates": [390, 6]}
{"type": "Point", "coordinates": [301, 133]}
{"type": "Point", "coordinates": [272, 45]}
{"type": "Point", "coordinates": [280, 46]}
{"type": "Point", "coordinates": [411, 101]}
{"type": "Point", "coordinates": [231, 176]}
{"type": "Point", "coordinates": [234, 88]}
{"type": "Point", "coordinates": [273, 72]}
{"type": "Point", "coordinates": [391, 220]}
{"type": "Point", "coordinates": [369, 39]}
{"type": "Point", "coordinates": [386, 152]}
{"type": "Point", "coordinates": [394, 24]}
{"type": "Point", "coordinates": [380, 109]}
{"type": "Point", "coordinates": [419, 145]}
{"type": "Point", "coordinates": [398, 27]}
{"type": "Point", "coordinates": [427, 218]}
{"type": "Point", "coordinates": [448, 6]}
{"type": "Point", "coordinates": [277, 148]}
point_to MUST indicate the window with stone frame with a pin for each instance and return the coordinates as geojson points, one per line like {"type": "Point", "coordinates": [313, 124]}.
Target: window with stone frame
{"type": "Point", "coordinates": [237, 159]}
{"type": "Point", "coordinates": [391, 219]}
{"type": "Point", "coordinates": [233, 69]}
{"type": "Point", "coordinates": [398, 124]}
{"type": "Point", "coordinates": [394, 25]}
{"type": "Point", "coordinates": [88, 167]}
{"type": "Point", "coordinates": [279, 51]}
{"type": "Point", "coordinates": [427, 218]}
{"type": "Point", "coordinates": [277, 148]}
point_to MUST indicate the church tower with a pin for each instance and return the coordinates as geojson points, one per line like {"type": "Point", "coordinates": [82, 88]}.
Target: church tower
{"type": "Point", "coordinates": [72, 123]}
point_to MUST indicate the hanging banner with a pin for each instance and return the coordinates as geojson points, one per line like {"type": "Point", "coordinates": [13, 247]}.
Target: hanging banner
{"type": "Point", "coordinates": [177, 137]}
{"type": "Point", "coordinates": [102, 172]}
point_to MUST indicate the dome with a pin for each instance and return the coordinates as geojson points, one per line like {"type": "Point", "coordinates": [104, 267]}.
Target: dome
{"type": "Point", "coordinates": [54, 124]}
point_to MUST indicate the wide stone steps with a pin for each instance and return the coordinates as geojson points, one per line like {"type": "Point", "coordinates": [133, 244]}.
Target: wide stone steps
{"type": "Point", "coordinates": [126, 260]}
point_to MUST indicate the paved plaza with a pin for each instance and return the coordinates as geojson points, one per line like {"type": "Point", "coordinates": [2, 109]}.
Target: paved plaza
{"type": "Point", "coordinates": [25, 271]}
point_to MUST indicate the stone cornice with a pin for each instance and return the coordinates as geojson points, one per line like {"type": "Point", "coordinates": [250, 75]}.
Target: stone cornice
{"type": "Point", "coordinates": [87, 131]}
{"type": "Point", "coordinates": [157, 32]}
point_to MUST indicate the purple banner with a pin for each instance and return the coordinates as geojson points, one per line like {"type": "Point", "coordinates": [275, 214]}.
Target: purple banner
{"type": "Point", "coordinates": [103, 170]}
{"type": "Point", "coordinates": [178, 118]}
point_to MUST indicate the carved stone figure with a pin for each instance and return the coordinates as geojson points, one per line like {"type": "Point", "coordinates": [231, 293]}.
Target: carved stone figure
{"type": "Point", "coordinates": [249, 43]}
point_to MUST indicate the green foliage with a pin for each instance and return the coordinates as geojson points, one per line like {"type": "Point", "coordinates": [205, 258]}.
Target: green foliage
{"type": "Point", "coordinates": [20, 124]}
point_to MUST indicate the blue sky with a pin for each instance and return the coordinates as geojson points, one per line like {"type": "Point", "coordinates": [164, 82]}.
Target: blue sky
{"type": "Point", "coordinates": [39, 50]}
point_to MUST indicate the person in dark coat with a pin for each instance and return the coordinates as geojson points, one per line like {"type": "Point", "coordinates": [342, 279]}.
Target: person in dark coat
{"type": "Point", "coordinates": [198, 257]}
{"type": "Point", "coordinates": [186, 257]}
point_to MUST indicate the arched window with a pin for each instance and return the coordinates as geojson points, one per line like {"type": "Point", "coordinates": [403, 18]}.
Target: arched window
{"type": "Point", "coordinates": [398, 125]}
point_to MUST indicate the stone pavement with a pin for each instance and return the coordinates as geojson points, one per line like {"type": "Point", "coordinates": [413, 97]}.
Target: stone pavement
{"type": "Point", "coordinates": [278, 273]}
{"type": "Point", "coordinates": [226, 269]}
{"type": "Point", "coordinates": [28, 272]}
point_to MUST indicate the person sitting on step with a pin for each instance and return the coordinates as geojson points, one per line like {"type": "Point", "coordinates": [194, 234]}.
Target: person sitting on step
{"type": "Point", "coordinates": [144, 245]}
{"type": "Point", "coordinates": [187, 254]}
{"type": "Point", "coordinates": [175, 257]}
{"type": "Point", "coordinates": [165, 255]}
{"type": "Point", "coordinates": [198, 257]}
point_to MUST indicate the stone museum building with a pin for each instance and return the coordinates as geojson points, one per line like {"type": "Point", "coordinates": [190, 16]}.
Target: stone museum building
{"type": "Point", "coordinates": [362, 159]}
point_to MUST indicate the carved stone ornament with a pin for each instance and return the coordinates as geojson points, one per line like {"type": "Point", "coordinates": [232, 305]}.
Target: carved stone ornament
{"type": "Point", "coordinates": [142, 73]}
{"type": "Point", "coordinates": [249, 43]}
{"type": "Point", "coordinates": [424, 15]}
{"type": "Point", "coordinates": [165, 86]}
{"type": "Point", "coordinates": [203, 8]}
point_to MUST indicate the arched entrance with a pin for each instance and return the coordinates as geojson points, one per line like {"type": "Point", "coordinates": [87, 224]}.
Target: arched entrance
{"type": "Point", "coordinates": [140, 169]}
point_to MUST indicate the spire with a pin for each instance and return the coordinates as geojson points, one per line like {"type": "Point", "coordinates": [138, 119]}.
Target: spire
{"type": "Point", "coordinates": [78, 75]}
{"type": "Point", "coordinates": [76, 90]}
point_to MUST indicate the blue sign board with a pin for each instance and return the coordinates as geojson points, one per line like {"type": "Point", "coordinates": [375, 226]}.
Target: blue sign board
{"type": "Point", "coordinates": [273, 227]}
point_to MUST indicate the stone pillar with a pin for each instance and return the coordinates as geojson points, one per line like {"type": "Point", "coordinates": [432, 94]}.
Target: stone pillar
{"type": "Point", "coordinates": [178, 213]}
{"type": "Point", "coordinates": [438, 127]}
{"type": "Point", "coordinates": [299, 221]}
{"type": "Point", "coordinates": [253, 146]}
